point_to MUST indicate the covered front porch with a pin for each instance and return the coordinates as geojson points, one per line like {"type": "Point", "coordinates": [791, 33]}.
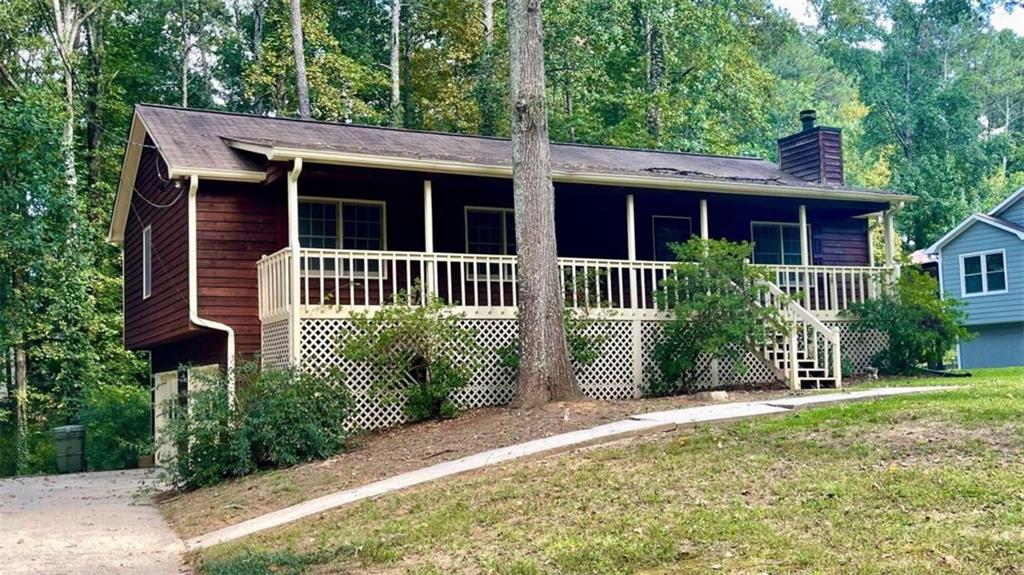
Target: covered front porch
{"type": "Point", "coordinates": [358, 236]}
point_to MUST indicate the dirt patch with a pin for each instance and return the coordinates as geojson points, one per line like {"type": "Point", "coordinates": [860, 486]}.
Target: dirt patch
{"type": "Point", "coordinates": [404, 448]}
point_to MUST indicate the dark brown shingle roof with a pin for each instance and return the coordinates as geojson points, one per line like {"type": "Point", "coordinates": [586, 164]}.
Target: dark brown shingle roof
{"type": "Point", "coordinates": [199, 139]}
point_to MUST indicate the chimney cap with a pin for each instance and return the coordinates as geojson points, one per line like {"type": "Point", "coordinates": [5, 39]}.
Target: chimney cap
{"type": "Point", "coordinates": [807, 118]}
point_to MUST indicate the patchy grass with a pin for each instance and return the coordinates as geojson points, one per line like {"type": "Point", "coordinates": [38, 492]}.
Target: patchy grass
{"type": "Point", "coordinates": [392, 451]}
{"type": "Point", "coordinates": [924, 483]}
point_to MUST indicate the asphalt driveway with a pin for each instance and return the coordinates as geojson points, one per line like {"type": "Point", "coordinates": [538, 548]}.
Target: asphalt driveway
{"type": "Point", "coordinates": [85, 523]}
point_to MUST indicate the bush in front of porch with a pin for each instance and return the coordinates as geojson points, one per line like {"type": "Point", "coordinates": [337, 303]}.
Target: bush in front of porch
{"type": "Point", "coordinates": [420, 351]}
{"type": "Point", "coordinates": [715, 300]}
{"type": "Point", "coordinates": [281, 417]}
{"type": "Point", "coordinates": [921, 327]}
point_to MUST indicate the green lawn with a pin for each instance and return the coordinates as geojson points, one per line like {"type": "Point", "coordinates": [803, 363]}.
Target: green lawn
{"type": "Point", "coordinates": [925, 483]}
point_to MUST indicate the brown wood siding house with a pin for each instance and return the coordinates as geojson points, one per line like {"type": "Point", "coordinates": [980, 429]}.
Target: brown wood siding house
{"type": "Point", "coordinates": [240, 163]}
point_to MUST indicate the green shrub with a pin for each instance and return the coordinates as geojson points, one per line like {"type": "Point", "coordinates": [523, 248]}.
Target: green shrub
{"type": "Point", "coordinates": [714, 299]}
{"type": "Point", "coordinates": [117, 423]}
{"type": "Point", "coordinates": [281, 418]}
{"type": "Point", "coordinates": [921, 326]}
{"type": "Point", "coordinates": [289, 417]}
{"type": "Point", "coordinates": [419, 353]}
{"type": "Point", "coordinates": [206, 435]}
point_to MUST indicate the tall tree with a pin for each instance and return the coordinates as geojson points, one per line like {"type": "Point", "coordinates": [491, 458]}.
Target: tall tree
{"type": "Point", "coordinates": [301, 80]}
{"type": "Point", "coordinates": [394, 49]}
{"type": "Point", "coordinates": [545, 370]}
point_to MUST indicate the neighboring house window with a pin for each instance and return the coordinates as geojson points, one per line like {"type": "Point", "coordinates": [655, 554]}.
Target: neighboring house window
{"type": "Point", "coordinates": [490, 231]}
{"type": "Point", "coordinates": [342, 224]}
{"type": "Point", "coordinates": [776, 243]}
{"type": "Point", "coordinates": [669, 230]}
{"type": "Point", "coordinates": [983, 273]}
{"type": "Point", "coordinates": [147, 262]}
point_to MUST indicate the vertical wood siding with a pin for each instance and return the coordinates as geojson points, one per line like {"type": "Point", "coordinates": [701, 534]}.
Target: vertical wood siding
{"type": "Point", "coordinates": [164, 315]}
{"type": "Point", "coordinates": [236, 224]}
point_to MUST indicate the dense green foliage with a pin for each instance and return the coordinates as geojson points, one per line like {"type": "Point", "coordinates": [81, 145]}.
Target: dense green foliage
{"type": "Point", "coordinates": [920, 326]}
{"type": "Point", "coordinates": [930, 97]}
{"type": "Point", "coordinates": [714, 299]}
{"type": "Point", "coordinates": [117, 424]}
{"type": "Point", "coordinates": [281, 418]}
{"type": "Point", "coordinates": [419, 354]}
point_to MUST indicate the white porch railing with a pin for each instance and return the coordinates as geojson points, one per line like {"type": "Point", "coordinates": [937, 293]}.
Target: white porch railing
{"type": "Point", "coordinates": [828, 290]}
{"type": "Point", "coordinates": [333, 282]}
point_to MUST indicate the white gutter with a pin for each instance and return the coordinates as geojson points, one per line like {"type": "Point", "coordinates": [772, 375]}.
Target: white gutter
{"type": "Point", "coordinates": [193, 289]}
{"type": "Point", "coordinates": [294, 301]}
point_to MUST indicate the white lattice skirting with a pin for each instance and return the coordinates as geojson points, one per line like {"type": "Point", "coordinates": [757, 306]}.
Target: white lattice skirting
{"type": "Point", "coordinates": [622, 371]}
{"type": "Point", "coordinates": [274, 344]}
{"type": "Point", "coordinates": [858, 347]}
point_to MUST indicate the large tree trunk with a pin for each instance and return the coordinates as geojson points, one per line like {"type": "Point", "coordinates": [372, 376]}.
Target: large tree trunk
{"type": "Point", "coordinates": [394, 46]}
{"type": "Point", "coordinates": [545, 371]}
{"type": "Point", "coordinates": [21, 410]}
{"type": "Point", "coordinates": [185, 49]}
{"type": "Point", "coordinates": [301, 81]}
{"type": "Point", "coordinates": [257, 46]}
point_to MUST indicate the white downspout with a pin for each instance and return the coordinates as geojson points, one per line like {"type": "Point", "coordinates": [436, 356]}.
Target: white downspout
{"type": "Point", "coordinates": [193, 288]}
{"type": "Point", "coordinates": [294, 300]}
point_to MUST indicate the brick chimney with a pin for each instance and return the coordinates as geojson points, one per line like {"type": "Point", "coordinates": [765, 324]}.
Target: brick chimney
{"type": "Point", "coordinates": [814, 154]}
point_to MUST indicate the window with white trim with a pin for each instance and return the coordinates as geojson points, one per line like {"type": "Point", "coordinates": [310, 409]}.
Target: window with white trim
{"type": "Point", "coordinates": [343, 224]}
{"type": "Point", "coordinates": [776, 243]}
{"type": "Point", "coordinates": [490, 231]}
{"type": "Point", "coordinates": [983, 273]}
{"type": "Point", "coordinates": [147, 262]}
{"type": "Point", "coordinates": [669, 230]}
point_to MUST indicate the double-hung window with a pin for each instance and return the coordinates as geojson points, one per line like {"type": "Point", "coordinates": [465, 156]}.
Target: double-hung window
{"type": "Point", "coordinates": [490, 231]}
{"type": "Point", "coordinates": [343, 224]}
{"type": "Point", "coordinates": [776, 243]}
{"type": "Point", "coordinates": [147, 262]}
{"type": "Point", "coordinates": [983, 273]}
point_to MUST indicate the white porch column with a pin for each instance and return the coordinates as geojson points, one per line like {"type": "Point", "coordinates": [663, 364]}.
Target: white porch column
{"type": "Point", "coordinates": [294, 297]}
{"type": "Point", "coordinates": [805, 243]}
{"type": "Point", "coordinates": [428, 234]}
{"type": "Point", "coordinates": [630, 227]}
{"type": "Point", "coordinates": [805, 256]}
{"type": "Point", "coordinates": [704, 233]}
{"type": "Point", "coordinates": [890, 237]}
{"type": "Point", "coordinates": [635, 329]}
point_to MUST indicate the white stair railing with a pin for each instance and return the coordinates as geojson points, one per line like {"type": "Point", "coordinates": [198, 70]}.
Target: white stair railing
{"type": "Point", "coordinates": [808, 351]}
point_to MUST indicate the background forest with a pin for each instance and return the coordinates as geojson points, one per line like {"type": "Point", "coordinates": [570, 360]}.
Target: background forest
{"type": "Point", "coordinates": [929, 95]}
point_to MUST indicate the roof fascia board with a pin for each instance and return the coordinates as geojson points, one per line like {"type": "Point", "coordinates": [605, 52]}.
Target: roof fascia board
{"type": "Point", "coordinates": [660, 182]}
{"type": "Point", "coordinates": [963, 226]}
{"type": "Point", "coordinates": [217, 174]}
{"type": "Point", "coordinates": [129, 171]}
{"type": "Point", "coordinates": [1003, 205]}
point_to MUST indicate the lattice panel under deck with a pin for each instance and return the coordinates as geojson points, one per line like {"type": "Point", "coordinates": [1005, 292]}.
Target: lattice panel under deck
{"type": "Point", "coordinates": [274, 344]}
{"type": "Point", "coordinates": [611, 375]}
{"type": "Point", "coordinates": [757, 372]}
{"type": "Point", "coordinates": [858, 347]}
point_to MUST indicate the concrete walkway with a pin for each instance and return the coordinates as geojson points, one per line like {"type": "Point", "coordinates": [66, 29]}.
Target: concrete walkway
{"type": "Point", "coordinates": [646, 423]}
{"type": "Point", "coordinates": [85, 523]}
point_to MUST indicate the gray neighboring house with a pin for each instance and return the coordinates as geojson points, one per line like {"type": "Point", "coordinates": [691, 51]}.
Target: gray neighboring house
{"type": "Point", "coordinates": [981, 262]}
